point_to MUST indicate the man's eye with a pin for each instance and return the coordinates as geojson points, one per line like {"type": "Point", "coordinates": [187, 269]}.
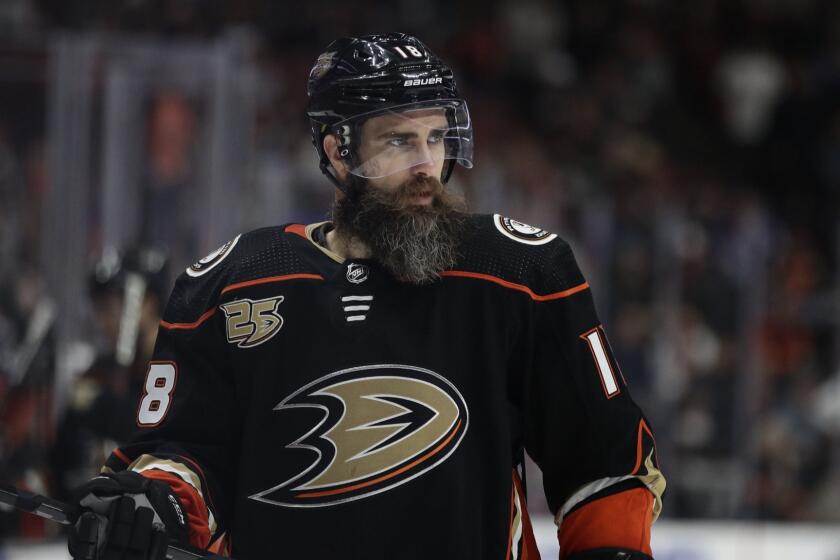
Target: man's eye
{"type": "Point", "coordinates": [398, 141]}
{"type": "Point", "coordinates": [436, 137]}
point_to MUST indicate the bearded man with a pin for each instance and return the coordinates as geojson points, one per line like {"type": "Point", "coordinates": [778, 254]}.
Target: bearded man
{"type": "Point", "coordinates": [366, 388]}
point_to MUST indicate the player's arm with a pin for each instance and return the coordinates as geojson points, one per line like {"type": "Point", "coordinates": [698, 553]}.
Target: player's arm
{"type": "Point", "coordinates": [186, 415]}
{"type": "Point", "coordinates": [592, 442]}
{"type": "Point", "coordinates": [186, 425]}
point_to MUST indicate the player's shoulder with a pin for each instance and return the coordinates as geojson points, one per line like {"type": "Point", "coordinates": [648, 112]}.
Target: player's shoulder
{"type": "Point", "coordinates": [516, 252]}
{"type": "Point", "coordinates": [259, 253]}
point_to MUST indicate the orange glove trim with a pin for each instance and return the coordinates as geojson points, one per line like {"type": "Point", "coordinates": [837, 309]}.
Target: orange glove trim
{"type": "Point", "coordinates": [197, 516]}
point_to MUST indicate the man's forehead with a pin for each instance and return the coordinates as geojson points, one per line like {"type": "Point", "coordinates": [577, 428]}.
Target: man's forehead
{"type": "Point", "coordinates": [433, 118]}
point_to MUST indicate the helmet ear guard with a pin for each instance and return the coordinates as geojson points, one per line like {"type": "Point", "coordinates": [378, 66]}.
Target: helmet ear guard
{"type": "Point", "coordinates": [343, 137]}
{"type": "Point", "coordinates": [324, 163]}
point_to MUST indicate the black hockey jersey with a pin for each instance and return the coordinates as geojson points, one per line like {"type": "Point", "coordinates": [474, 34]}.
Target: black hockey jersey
{"type": "Point", "coordinates": [310, 407]}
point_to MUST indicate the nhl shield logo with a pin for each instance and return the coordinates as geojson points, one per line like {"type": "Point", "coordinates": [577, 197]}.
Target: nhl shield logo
{"type": "Point", "coordinates": [357, 273]}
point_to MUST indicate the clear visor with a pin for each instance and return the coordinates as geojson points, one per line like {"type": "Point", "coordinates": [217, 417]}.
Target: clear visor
{"type": "Point", "coordinates": [417, 135]}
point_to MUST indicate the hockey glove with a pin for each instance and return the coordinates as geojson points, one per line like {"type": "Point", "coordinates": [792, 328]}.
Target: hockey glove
{"type": "Point", "coordinates": [126, 517]}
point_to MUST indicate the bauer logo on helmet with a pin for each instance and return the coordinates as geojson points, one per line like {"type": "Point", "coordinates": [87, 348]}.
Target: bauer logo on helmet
{"type": "Point", "coordinates": [422, 82]}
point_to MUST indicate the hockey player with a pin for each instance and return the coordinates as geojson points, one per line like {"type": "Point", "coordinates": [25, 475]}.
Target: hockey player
{"type": "Point", "coordinates": [366, 387]}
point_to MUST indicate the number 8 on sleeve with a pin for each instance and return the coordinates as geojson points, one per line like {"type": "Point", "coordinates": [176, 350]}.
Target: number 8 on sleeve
{"type": "Point", "coordinates": [157, 395]}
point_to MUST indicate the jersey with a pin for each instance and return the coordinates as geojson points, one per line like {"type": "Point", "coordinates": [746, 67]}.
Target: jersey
{"type": "Point", "coordinates": [308, 406]}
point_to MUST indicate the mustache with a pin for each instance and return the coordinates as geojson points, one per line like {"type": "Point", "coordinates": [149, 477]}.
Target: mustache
{"type": "Point", "coordinates": [402, 197]}
{"type": "Point", "coordinates": [421, 185]}
{"type": "Point", "coordinates": [415, 243]}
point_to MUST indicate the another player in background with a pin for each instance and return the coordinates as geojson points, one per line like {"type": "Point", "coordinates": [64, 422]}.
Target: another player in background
{"type": "Point", "coordinates": [127, 295]}
{"type": "Point", "coordinates": [367, 387]}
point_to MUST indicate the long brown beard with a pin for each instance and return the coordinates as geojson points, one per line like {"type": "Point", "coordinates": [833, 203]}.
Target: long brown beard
{"type": "Point", "coordinates": [414, 243]}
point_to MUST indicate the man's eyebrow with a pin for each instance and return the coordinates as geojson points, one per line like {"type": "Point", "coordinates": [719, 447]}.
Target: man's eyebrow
{"type": "Point", "coordinates": [393, 133]}
{"type": "Point", "coordinates": [407, 134]}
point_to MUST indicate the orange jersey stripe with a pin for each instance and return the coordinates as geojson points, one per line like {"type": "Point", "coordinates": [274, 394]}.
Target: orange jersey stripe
{"type": "Point", "coordinates": [221, 546]}
{"type": "Point", "coordinates": [209, 313]}
{"type": "Point", "coordinates": [204, 316]}
{"type": "Point", "coordinates": [270, 279]}
{"type": "Point", "coordinates": [297, 229]}
{"type": "Point", "coordinates": [192, 502]}
{"type": "Point", "coordinates": [514, 286]}
{"type": "Point", "coordinates": [642, 427]}
{"type": "Point", "coordinates": [387, 476]}
{"type": "Point", "coordinates": [616, 521]}
{"type": "Point", "coordinates": [121, 456]}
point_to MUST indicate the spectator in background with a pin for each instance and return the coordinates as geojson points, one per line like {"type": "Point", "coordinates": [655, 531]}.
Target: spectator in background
{"type": "Point", "coordinates": [170, 209]}
{"type": "Point", "coordinates": [11, 206]}
{"type": "Point", "coordinates": [26, 422]}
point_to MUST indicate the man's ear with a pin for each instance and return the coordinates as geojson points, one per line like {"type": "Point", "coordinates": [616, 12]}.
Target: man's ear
{"type": "Point", "coordinates": [331, 149]}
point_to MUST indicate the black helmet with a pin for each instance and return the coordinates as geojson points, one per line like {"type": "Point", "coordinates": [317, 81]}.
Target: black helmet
{"type": "Point", "coordinates": [357, 78]}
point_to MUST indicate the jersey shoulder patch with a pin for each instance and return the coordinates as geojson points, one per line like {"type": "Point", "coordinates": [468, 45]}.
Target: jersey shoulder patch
{"type": "Point", "coordinates": [209, 262]}
{"type": "Point", "coordinates": [259, 254]}
{"type": "Point", "coordinates": [522, 232]}
{"type": "Point", "coordinates": [516, 252]}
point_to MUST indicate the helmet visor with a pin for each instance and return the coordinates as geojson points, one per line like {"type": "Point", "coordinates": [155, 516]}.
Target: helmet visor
{"type": "Point", "coordinates": [408, 136]}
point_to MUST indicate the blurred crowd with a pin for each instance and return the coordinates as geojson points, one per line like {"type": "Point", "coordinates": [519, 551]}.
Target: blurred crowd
{"type": "Point", "coordinates": [690, 151]}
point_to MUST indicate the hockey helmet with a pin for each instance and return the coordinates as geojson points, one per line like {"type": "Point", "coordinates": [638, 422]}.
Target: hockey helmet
{"type": "Point", "coordinates": [393, 74]}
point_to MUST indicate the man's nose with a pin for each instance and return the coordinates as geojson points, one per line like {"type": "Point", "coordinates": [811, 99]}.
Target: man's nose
{"type": "Point", "coordinates": [425, 161]}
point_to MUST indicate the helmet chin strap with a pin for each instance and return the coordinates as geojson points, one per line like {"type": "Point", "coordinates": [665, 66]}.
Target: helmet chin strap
{"type": "Point", "coordinates": [325, 169]}
{"type": "Point", "coordinates": [448, 167]}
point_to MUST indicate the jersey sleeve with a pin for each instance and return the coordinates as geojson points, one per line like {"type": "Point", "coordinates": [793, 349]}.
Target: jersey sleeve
{"type": "Point", "coordinates": [186, 417]}
{"type": "Point", "coordinates": [594, 446]}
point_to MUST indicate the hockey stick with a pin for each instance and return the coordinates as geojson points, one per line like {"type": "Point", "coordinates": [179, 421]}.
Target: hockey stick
{"type": "Point", "coordinates": [66, 514]}
{"type": "Point", "coordinates": [40, 323]}
{"type": "Point", "coordinates": [133, 293]}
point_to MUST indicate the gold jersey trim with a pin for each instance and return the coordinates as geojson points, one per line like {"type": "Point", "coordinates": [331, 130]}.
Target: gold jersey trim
{"type": "Point", "coordinates": [308, 231]}
{"type": "Point", "coordinates": [653, 480]}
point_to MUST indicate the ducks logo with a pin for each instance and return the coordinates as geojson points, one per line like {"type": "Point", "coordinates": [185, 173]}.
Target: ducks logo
{"type": "Point", "coordinates": [383, 426]}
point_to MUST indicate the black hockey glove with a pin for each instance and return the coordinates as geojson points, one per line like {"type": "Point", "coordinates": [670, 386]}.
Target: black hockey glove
{"type": "Point", "coordinates": [609, 554]}
{"type": "Point", "coordinates": [126, 517]}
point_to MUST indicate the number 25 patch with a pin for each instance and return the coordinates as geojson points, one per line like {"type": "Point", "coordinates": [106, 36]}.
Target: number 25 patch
{"type": "Point", "coordinates": [252, 322]}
